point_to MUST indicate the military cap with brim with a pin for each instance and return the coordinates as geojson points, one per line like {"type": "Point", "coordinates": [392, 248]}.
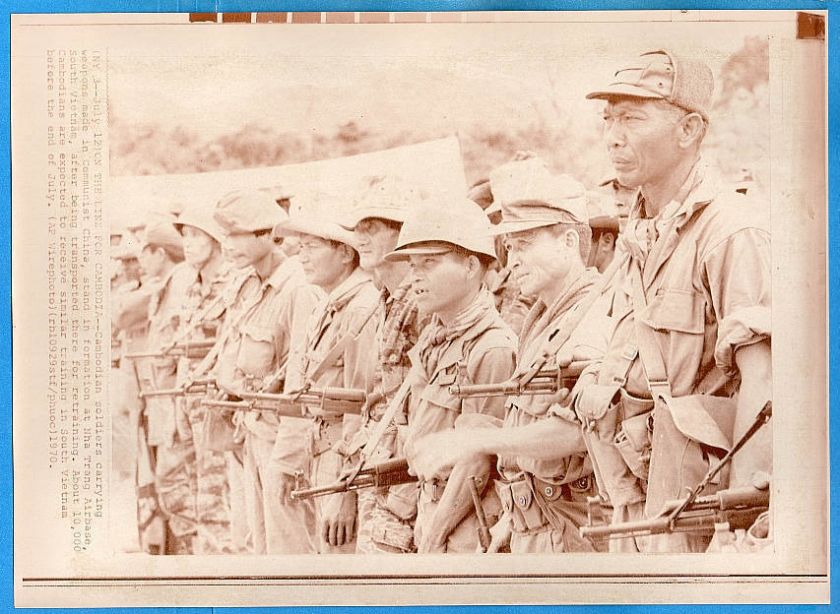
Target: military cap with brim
{"type": "Point", "coordinates": [659, 74]}
{"type": "Point", "coordinates": [317, 226]}
{"type": "Point", "coordinates": [442, 223]}
{"type": "Point", "coordinates": [530, 196]}
{"type": "Point", "coordinates": [246, 211]}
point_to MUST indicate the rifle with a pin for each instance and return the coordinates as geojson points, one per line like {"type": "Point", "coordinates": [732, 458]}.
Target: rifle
{"type": "Point", "coordinates": [194, 349]}
{"type": "Point", "coordinates": [545, 381]}
{"type": "Point", "coordinates": [738, 507]}
{"type": "Point", "coordinates": [388, 473]}
{"type": "Point", "coordinates": [694, 513]}
{"type": "Point", "coordinates": [336, 401]}
{"type": "Point", "coordinates": [199, 386]}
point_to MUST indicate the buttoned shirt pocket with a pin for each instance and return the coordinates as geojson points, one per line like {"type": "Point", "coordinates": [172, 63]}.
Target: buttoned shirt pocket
{"type": "Point", "coordinates": [256, 353]}
{"type": "Point", "coordinates": [676, 309]}
{"type": "Point", "coordinates": [437, 392]}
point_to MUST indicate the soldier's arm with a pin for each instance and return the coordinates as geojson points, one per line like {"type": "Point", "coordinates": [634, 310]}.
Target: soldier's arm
{"type": "Point", "coordinates": [755, 367]}
{"type": "Point", "coordinates": [549, 439]}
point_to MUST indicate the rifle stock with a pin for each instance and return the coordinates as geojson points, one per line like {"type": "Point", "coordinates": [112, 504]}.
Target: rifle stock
{"type": "Point", "coordinates": [546, 381]}
{"type": "Point", "coordinates": [388, 473]}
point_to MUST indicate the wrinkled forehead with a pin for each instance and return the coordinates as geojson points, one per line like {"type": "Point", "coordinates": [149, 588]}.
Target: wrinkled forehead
{"type": "Point", "coordinates": [530, 234]}
{"type": "Point", "coordinates": [619, 103]}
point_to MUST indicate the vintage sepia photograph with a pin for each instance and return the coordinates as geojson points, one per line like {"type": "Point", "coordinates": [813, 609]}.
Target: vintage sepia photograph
{"type": "Point", "coordinates": [483, 302]}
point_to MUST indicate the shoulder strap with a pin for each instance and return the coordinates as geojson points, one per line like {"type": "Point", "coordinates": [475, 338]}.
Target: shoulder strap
{"type": "Point", "coordinates": [650, 354]}
{"type": "Point", "coordinates": [341, 345]}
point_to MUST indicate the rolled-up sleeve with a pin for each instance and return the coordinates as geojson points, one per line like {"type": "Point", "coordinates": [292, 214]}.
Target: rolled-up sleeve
{"type": "Point", "coordinates": [738, 274]}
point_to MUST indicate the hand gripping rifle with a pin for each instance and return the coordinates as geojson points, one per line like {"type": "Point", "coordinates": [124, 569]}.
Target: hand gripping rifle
{"type": "Point", "coordinates": [543, 381]}
{"type": "Point", "coordinates": [738, 507]}
{"type": "Point", "coordinates": [337, 401]}
{"type": "Point", "coordinates": [389, 473]}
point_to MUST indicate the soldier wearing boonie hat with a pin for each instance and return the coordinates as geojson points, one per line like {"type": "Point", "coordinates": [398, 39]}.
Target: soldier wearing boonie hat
{"type": "Point", "coordinates": [386, 519]}
{"type": "Point", "coordinates": [699, 270]}
{"type": "Point", "coordinates": [261, 335]}
{"type": "Point", "coordinates": [545, 475]}
{"type": "Point", "coordinates": [449, 246]}
{"type": "Point", "coordinates": [330, 260]}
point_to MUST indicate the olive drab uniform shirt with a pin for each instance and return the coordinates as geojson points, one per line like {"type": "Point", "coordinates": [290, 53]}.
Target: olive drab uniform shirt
{"type": "Point", "coordinates": [349, 306]}
{"type": "Point", "coordinates": [706, 279]}
{"type": "Point", "coordinates": [590, 338]}
{"type": "Point", "coordinates": [478, 347]}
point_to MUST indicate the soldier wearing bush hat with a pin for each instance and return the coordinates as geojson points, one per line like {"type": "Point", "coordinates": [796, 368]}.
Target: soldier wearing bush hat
{"type": "Point", "coordinates": [449, 245]}
{"type": "Point", "coordinates": [330, 261]}
{"type": "Point", "coordinates": [262, 335]}
{"type": "Point", "coordinates": [699, 269]}
{"type": "Point", "coordinates": [386, 519]}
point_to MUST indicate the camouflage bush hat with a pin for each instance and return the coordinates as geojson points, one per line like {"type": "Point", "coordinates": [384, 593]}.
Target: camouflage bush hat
{"type": "Point", "coordinates": [200, 217]}
{"type": "Point", "coordinates": [386, 197]}
{"type": "Point", "coordinates": [531, 196]}
{"type": "Point", "coordinates": [247, 211]}
{"type": "Point", "coordinates": [163, 234]}
{"type": "Point", "coordinates": [459, 222]}
{"type": "Point", "coordinates": [659, 74]}
{"type": "Point", "coordinates": [313, 217]}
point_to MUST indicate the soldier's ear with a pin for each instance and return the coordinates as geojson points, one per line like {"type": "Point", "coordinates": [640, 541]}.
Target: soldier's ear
{"type": "Point", "coordinates": [691, 128]}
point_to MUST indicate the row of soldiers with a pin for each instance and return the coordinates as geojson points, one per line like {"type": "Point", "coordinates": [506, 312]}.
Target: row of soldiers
{"type": "Point", "coordinates": [423, 374]}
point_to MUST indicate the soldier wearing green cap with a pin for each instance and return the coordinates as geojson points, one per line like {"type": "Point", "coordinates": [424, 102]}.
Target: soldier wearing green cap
{"type": "Point", "coordinates": [692, 305]}
{"type": "Point", "coordinates": [449, 246]}
{"type": "Point", "coordinates": [545, 474]}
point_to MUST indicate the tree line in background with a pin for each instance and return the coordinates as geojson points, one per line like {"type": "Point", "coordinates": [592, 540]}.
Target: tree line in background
{"type": "Point", "coordinates": [738, 138]}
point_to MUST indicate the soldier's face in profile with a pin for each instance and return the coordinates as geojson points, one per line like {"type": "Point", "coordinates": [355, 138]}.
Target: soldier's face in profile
{"type": "Point", "coordinates": [539, 258]}
{"type": "Point", "coordinates": [374, 239]}
{"type": "Point", "coordinates": [443, 282]}
{"type": "Point", "coordinates": [603, 251]}
{"type": "Point", "coordinates": [152, 261]}
{"type": "Point", "coordinates": [198, 246]}
{"type": "Point", "coordinates": [246, 248]}
{"type": "Point", "coordinates": [642, 139]}
{"type": "Point", "coordinates": [323, 261]}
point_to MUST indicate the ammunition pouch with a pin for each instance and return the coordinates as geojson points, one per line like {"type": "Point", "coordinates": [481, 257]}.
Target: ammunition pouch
{"type": "Point", "coordinates": [633, 437]}
{"type": "Point", "coordinates": [690, 434]}
{"type": "Point", "coordinates": [528, 501]}
{"type": "Point", "coordinates": [393, 535]}
{"type": "Point", "coordinates": [602, 411]}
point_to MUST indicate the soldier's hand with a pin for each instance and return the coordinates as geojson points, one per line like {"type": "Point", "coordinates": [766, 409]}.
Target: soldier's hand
{"type": "Point", "coordinates": [433, 455]}
{"type": "Point", "coordinates": [500, 535]}
{"type": "Point", "coordinates": [339, 526]}
{"type": "Point", "coordinates": [285, 486]}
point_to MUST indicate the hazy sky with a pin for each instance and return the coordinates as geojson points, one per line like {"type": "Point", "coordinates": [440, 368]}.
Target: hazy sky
{"type": "Point", "coordinates": [393, 75]}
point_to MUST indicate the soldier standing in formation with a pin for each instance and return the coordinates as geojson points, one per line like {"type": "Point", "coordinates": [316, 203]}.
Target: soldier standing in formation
{"type": "Point", "coordinates": [337, 353]}
{"type": "Point", "coordinates": [392, 300]}
{"type": "Point", "coordinates": [386, 518]}
{"type": "Point", "coordinates": [449, 249]}
{"type": "Point", "coordinates": [691, 304]}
